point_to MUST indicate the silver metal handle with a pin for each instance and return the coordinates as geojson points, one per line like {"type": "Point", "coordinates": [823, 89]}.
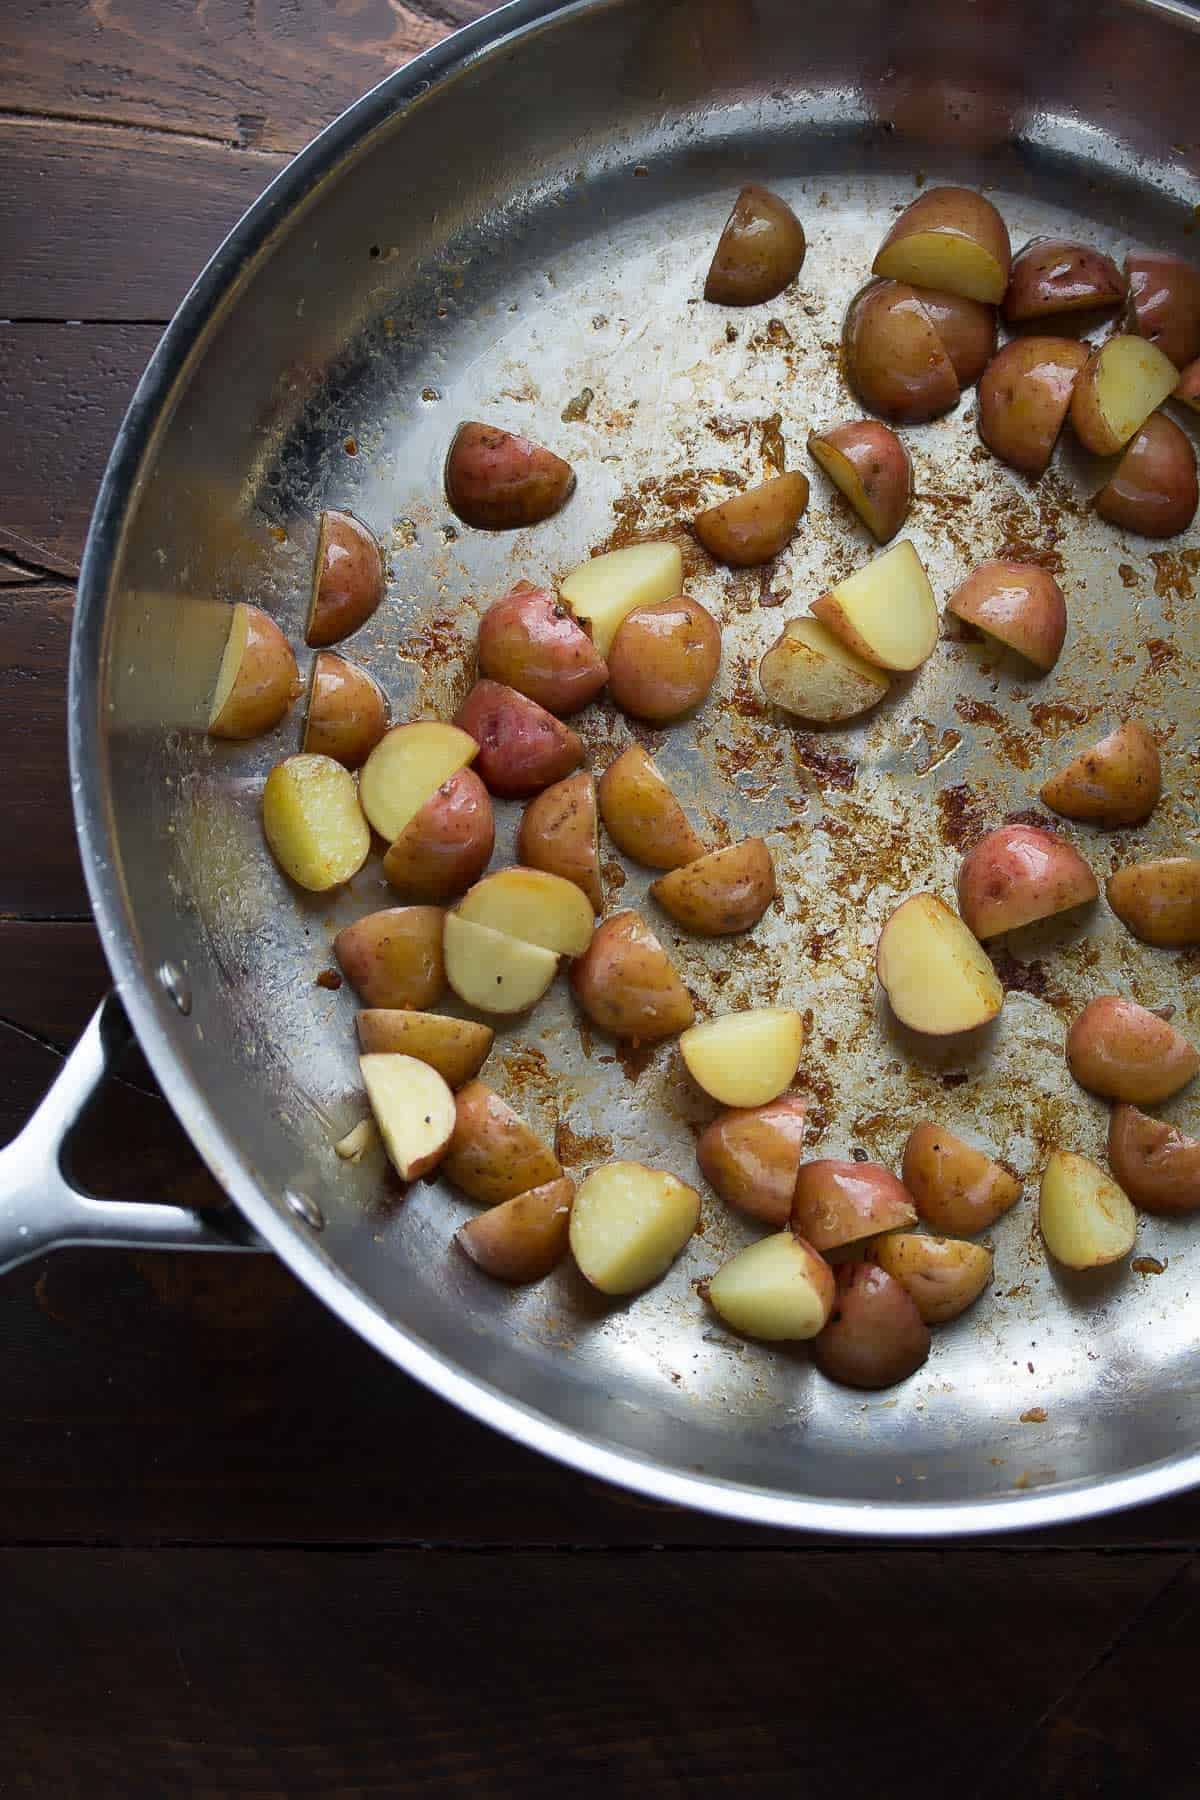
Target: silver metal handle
{"type": "Point", "coordinates": [40, 1209]}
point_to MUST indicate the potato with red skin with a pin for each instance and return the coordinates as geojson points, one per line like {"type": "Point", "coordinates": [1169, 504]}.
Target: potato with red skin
{"type": "Point", "coordinates": [760, 251]}
{"type": "Point", "coordinates": [942, 1275]}
{"type": "Point", "coordinates": [1018, 874]}
{"type": "Point", "coordinates": [895, 361]}
{"type": "Point", "coordinates": [751, 1156]}
{"type": "Point", "coordinates": [448, 845]}
{"type": "Point", "coordinates": [521, 1239]}
{"type": "Point", "coordinates": [1154, 1163]}
{"type": "Point", "coordinates": [560, 833]}
{"type": "Point", "coordinates": [347, 712]}
{"type": "Point", "coordinates": [938, 979]}
{"type": "Point", "coordinates": [493, 1155]}
{"type": "Point", "coordinates": [664, 659]}
{"type": "Point", "coordinates": [951, 239]}
{"type": "Point", "coordinates": [1024, 397]}
{"type": "Point", "coordinates": [837, 1202]}
{"type": "Point", "coordinates": [1154, 491]}
{"type": "Point", "coordinates": [500, 481]}
{"type": "Point", "coordinates": [1122, 1051]}
{"type": "Point", "coordinates": [867, 463]}
{"type": "Point", "coordinates": [875, 1336]}
{"type": "Point", "coordinates": [1124, 380]}
{"type": "Point", "coordinates": [1159, 900]}
{"type": "Point", "coordinates": [967, 330]}
{"type": "Point", "coordinates": [754, 526]}
{"type": "Point", "coordinates": [1019, 604]}
{"type": "Point", "coordinates": [530, 641]}
{"type": "Point", "coordinates": [258, 678]}
{"type": "Point", "coordinates": [1164, 303]}
{"type": "Point", "coordinates": [1057, 275]}
{"type": "Point", "coordinates": [1188, 391]}
{"type": "Point", "coordinates": [394, 957]}
{"type": "Point", "coordinates": [627, 985]}
{"type": "Point", "coordinates": [955, 1188]}
{"type": "Point", "coordinates": [1116, 782]}
{"type": "Point", "coordinates": [723, 892]}
{"type": "Point", "coordinates": [347, 581]}
{"type": "Point", "coordinates": [642, 816]}
{"type": "Point", "coordinates": [522, 747]}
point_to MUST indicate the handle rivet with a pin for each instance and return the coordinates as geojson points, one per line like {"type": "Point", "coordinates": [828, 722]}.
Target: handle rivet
{"type": "Point", "coordinates": [176, 984]}
{"type": "Point", "coordinates": [304, 1208]}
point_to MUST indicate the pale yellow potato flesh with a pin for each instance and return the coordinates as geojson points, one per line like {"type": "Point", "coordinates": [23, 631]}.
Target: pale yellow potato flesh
{"type": "Point", "coordinates": [313, 823]}
{"type": "Point", "coordinates": [938, 978]}
{"type": "Point", "coordinates": [1121, 384]}
{"type": "Point", "coordinates": [811, 673]}
{"type": "Point", "coordinates": [952, 239]}
{"type": "Point", "coordinates": [413, 1108]}
{"type": "Point", "coordinates": [885, 613]}
{"type": "Point", "coordinates": [778, 1289]}
{"type": "Point", "coordinates": [745, 1058]}
{"type": "Point", "coordinates": [456, 1048]}
{"type": "Point", "coordinates": [407, 767]}
{"type": "Point", "coordinates": [494, 972]}
{"type": "Point", "coordinates": [533, 905]}
{"type": "Point", "coordinates": [605, 588]}
{"type": "Point", "coordinates": [628, 1225]}
{"type": "Point", "coordinates": [1086, 1220]}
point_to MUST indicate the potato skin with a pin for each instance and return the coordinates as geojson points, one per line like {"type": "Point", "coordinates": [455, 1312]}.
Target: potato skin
{"type": "Point", "coordinates": [456, 1048]}
{"type": "Point", "coordinates": [626, 984]}
{"type": "Point", "coordinates": [493, 1155]}
{"type": "Point", "coordinates": [394, 957]}
{"type": "Point", "coordinates": [895, 360]}
{"type": "Point", "coordinates": [1156, 1165]}
{"type": "Point", "coordinates": [1125, 1052]}
{"type": "Point", "coordinates": [967, 329]}
{"type": "Point", "coordinates": [878, 462]}
{"type": "Point", "coordinates": [1017, 874]}
{"type": "Point", "coordinates": [751, 1156]}
{"type": "Point", "coordinates": [724, 892]}
{"type": "Point", "coordinates": [347, 579]}
{"type": "Point", "coordinates": [837, 1202]}
{"type": "Point", "coordinates": [1117, 782]}
{"type": "Point", "coordinates": [876, 1336]}
{"type": "Point", "coordinates": [1057, 275]}
{"type": "Point", "coordinates": [959, 213]}
{"type": "Point", "coordinates": [664, 659]}
{"type": "Point", "coordinates": [1159, 900]}
{"type": "Point", "coordinates": [1188, 391]}
{"type": "Point", "coordinates": [1021, 604]}
{"type": "Point", "coordinates": [942, 1275]}
{"type": "Point", "coordinates": [521, 1239]}
{"type": "Point", "coordinates": [760, 250]}
{"type": "Point", "coordinates": [802, 673]}
{"type": "Point", "coordinates": [522, 747]}
{"type": "Point", "coordinates": [558, 833]}
{"type": "Point", "coordinates": [753, 527]}
{"type": "Point", "coordinates": [531, 641]}
{"type": "Point", "coordinates": [449, 843]}
{"type": "Point", "coordinates": [955, 1188]}
{"type": "Point", "coordinates": [1024, 394]}
{"type": "Point", "coordinates": [1154, 491]}
{"type": "Point", "coordinates": [642, 816]}
{"type": "Point", "coordinates": [1164, 304]}
{"type": "Point", "coordinates": [266, 683]}
{"type": "Point", "coordinates": [347, 712]}
{"type": "Point", "coordinates": [499, 481]}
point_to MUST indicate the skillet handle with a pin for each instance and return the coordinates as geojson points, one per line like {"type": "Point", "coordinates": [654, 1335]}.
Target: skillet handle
{"type": "Point", "coordinates": [41, 1210]}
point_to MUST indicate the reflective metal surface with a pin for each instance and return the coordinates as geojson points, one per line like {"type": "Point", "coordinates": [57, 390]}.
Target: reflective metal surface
{"type": "Point", "coordinates": [525, 215]}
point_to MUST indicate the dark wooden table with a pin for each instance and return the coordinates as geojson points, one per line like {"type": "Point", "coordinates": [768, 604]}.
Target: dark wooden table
{"type": "Point", "coordinates": [240, 1554]}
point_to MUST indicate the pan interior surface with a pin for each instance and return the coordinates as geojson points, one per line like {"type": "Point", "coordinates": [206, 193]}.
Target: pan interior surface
{"type": "Point", "coordinates": [525, 243]}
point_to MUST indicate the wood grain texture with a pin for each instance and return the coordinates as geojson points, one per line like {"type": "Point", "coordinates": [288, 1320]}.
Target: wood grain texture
{"type": "Point", "coordinates": [53, 975]}
{"type": "Point", "coordinates": [35, 812]}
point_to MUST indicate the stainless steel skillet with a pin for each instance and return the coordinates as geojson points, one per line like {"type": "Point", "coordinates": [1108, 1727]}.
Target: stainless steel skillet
{"type": "Point", "coordinates": [522, 215]}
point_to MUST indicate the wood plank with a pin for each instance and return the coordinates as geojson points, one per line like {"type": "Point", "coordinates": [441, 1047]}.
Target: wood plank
{"type": "Point", "coordinates": [81, 205]}
{"type": "Point", "coordinates": [262, 77]}
{"type": "Point", "coordinates": [53, 975]}
{"type": "Point", "coordinates": [277, 1674]}
{"type": "Point", "coordinates": [35, 812]}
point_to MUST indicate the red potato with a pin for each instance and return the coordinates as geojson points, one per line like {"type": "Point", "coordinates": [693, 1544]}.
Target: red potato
{"type": "Point", "coordinates": [943, 1275]}
{"type": "Point", "coordinates": [1120, 385]}
{"type": "Point", "coordinates": [493, 1155]}
{"type": "Point", "coordinates": [499, 481]}
{"type": "Point", "coordinates": [1122, 1051]}
{"type": "Point", "coordinates": [875, 1336]}
{"type": "Point", "coordinates": [938, 980]}
{"type": "Point", "coordinates": [313, 823]}
{"type": "Point", "coordinates": [1024, 396]}
{"type": "Point", "coordinates": [777, 1289]}
{"type": "Point", "coordinates": [627, 985]}
{"type": "Point", "coordinates": [1154, 491]}
{"type": "Point", "coordinates": [955, 1188]}
{"type": "Point", "coordinates": [808, 671]}
{"type": "Point", "coordinates": [722, 892]}
{"type": "Point", "coordinates": [751, 1156]}
{"type": "Point", "coordinates": [1018, 604]}
{"type": "Point", "coordinates": [456, 1048]}
{"type": "Point", "coordinates": [1164, 304]}
{"type": "Point", "coordinates": [347, 713]}
{"type": "Point", "coordinates": [560, 833]}
{"type": "Point", "coordinates": [759, 252]}
{"type": "Point", "coordinates": [1188, 391]}
{"type": "Point", "coordinates": [1056, 275]}
{"type": "Point", "coordinates": [753, 527]}
{"type": "Point", "coordinates": [257, 680]}
{"type": "Point", "coordinates": [641, 814]}
{"type": "Point", "coordinates": [837, 1202]}
{"type": "Point", "coordinates": [394, 957]}
{"type": "Point", "coordinates": [1153, 1162]}
{"type": "Point", "coordinates": [895, 361]}
{"type": "Point", "coordinates": [347, 579]}
{"type": "Point", "coordinates": [1018, 874]}
{"type": "Point", "coordinates": [1117, 782]}
{"type": "Point", "coordinates": [521, 1239]}
{"type": "Point", "coordinates": [1159, 900]}
{"type": "Point", "coordinates": [447, 845]}
{"type": "Point", "coordinates": [664, 659]}
{"type": "Point", "coordinates": [530, 641]}
{"type": "Point", "coordinates": [952, 239]}
{"type": "Point", "coordinates": [522, 747]}
{"type": "Point", "coordinates": [867, 463]}
{"type": "Point", "coordinates": [967, 331]}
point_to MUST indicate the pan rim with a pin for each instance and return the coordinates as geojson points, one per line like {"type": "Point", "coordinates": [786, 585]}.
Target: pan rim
{"type": "Point", "coordinates": [149, 1012]}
